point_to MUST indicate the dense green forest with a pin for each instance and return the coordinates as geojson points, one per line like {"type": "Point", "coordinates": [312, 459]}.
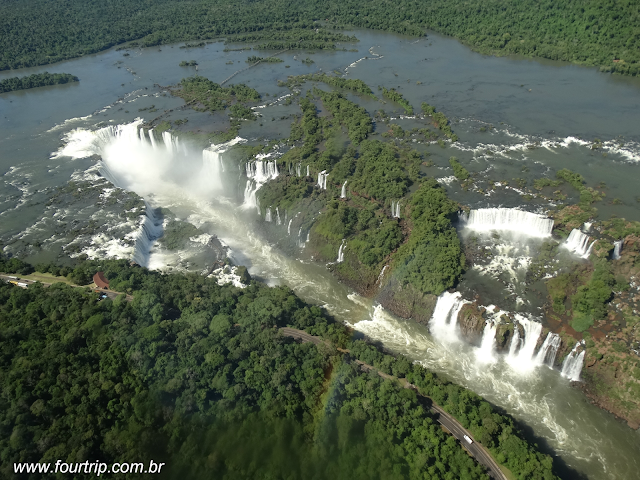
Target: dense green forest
{"type": "Point", "coordinates": [197, 376]}
{"type": "Point", "coordinates": [589, 32]}
{"type": "Point", "coordinates": [36, 80]}
{"type": "Point", "coordinates": [392, 215]}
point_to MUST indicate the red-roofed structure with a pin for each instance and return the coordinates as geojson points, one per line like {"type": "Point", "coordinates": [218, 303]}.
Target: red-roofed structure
{"type": "Point", "coordinates": [100, 280]}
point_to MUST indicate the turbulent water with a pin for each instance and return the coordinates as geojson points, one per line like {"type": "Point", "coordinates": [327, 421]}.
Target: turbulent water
{"type": "Point", "coordinates": [503, 110]}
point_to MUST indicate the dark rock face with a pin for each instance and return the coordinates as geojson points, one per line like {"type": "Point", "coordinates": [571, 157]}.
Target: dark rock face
{"type": "Point", "coordinates": [406, 302]}
{"type": "Point", "coordinates": [505, 332]}
{"type": "Point", "coordinates": [471, 323]}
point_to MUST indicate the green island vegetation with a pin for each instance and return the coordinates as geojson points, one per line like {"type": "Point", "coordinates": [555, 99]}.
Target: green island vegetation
{"type": "Point", "coordinates": [459, 171]}
{"type": "Point", "coordinates": [197, 376]}
{"type": "Point", "coordinates": [253, 59]}
{"type": "Point", "coordinates": [307, 61]}
{"type": "Point", "coordinates": [203, 95]}
{"type": "Point", "coordinates": [383, 182]}
{"type": "Point", "coordinates": [190, 63]}
{"type": "Point", "coordinates": [36, 80]}
{"type": "Point", "coordinates": [586, 33]}
{"type": "Point", "coordinates": [440, 121]}
{"type": "Point", "coordinates": [397, 97]}
{"type": "Point", "coordinates": [353, 84]}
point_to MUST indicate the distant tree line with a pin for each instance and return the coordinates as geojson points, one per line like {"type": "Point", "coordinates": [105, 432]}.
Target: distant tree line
{"type": "Point", "coordinates": [589, 32]}
{"type": "Point", "coordinates": [36, 80]}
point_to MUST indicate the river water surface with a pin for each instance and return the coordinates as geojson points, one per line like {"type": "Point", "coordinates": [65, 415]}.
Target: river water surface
{"type": "Point", "coordinates": [515, 118]}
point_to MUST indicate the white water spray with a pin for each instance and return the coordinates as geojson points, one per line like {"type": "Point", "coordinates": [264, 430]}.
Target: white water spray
{"type": "Point", "coordinates": [617, 249]}
{"type": "Point", "coordinates": [322, 180]}
{"type": "Point", "coordinates": [547, 353]}
{"type": "Point", "coordinates": [511, 219]}
{"type": "Point", "coordinates": [444, 321]}
{"type": "Point", "coordinates": [579, 243]}
{"type": "Point", "coordinates": [572, 364]}
{"type": "Point", "coordinates": [341, 252]}
{"type": "Point", "coordinates": [343, 193]}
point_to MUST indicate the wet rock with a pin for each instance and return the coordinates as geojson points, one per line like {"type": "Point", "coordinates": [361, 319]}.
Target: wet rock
{"type": "Point", "coordinates": [471, 323]}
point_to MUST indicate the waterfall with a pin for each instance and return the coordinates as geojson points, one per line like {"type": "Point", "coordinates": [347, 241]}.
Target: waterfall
{"type": "Point", "coordinates": [212, 167]}
{"type": "Point", "coordinates": [258, 173]}
{"type": "Point", "coordinates": [578, 243]}
{"type": "Point", "coordinates": [522, 360]}
{"type": "Point", "coordinates": [587, 226]}
{"type": "Point", "coordinates": [511, 219]}
{"type": "Point", "coordinates": [382, 273]}
{"type": "Point", "coordinates": [262, 171]}
{"type": "Point", "coordinates": [444, 321]}
{"type": "Point", "coordinates": [289, 227]}
{"type": "Point", "coordinates": [267, 217]}
{"type": "Point", "coordinates": [572, 365]}
{"type": "Point", "coordinates": [395, 209]}
{"type": "Point", "coordinates": [308, 171]}
{"type": "Point", "coordinates": [278, 221]}
{"type": "Point", "coordinates": [322, 179]}
{"type": "Point", "coordinates": [617, 248]}
{"type": "Point", "coordinates": [152, 139]}
{"type": "Point", "coordinates": [298, 170]}
{"type": "Point", "coordinates": [484, 354]}
{"type": "Point", "coordinates": [170, 142]}
{"type": "Point", "coordinates": [343, 193]}
{"type": "Point", "coordinates": [150, 230]}
{"type": "Point", "coordinates": [341, 253]}
{"type": "Point", "coordinates": [515, 344]}
{"type": "Point", "coordinates": [308, 237]}
{"type": "Point", "coordinates": [547, 353]}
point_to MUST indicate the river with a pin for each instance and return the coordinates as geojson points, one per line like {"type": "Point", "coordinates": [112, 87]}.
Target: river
{"type": "Point", "coordinates": [531, 115]}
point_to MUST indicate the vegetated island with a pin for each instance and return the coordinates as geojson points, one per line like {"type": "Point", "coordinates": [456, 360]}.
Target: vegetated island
{"type": "Point", "coordinates": [391, 227]}
{"type": "Point", "coordinates": [587, 33]}
{"type": "Point", "coordinates": [36, 80]}
{"type": "Point", "coordinates": [198, 376]}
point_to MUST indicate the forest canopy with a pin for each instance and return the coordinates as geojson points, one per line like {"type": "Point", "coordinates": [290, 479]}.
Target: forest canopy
{"type": "Point", "coordinates": [36, 80]}
{"type": "Point", "coordinates": [198, 376]}
{"type": "Point", "coordinates": [590, 32]}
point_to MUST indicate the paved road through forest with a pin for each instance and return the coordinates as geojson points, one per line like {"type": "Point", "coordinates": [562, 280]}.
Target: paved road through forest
{"type": "Point", "coordinates": [446, 420]}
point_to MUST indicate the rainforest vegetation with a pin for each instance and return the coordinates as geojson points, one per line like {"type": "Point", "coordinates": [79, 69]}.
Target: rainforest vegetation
{"type": "Point", "coordinates": [197, 375]}
{"type": "Point", "coordinates": [391, 215]}
{"type": "Point", "coordinates": [36, 80]}
{"type": "Point", "coordinates": [590, 32]}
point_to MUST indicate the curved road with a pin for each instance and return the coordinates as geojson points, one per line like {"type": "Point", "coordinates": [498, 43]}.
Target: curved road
{"type": "Point", "coordinates": [478, 451]}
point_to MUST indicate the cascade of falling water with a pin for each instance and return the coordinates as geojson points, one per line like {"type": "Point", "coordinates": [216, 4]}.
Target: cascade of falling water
{"type": "Point", "coordinates": [150, 230]}
{"type": "Point", "coordinates": [152, 138]}
{"type": "Point", "coordinates": [519, 221]}
{"type": "Point", "coordinates": [515, 344]}
{"type": "Point", "coordinates": [395, 209]}
{"type": "Point", "coordinates": [547, 353]}
{"type": "Point", "coordinates": [308, 237]}
{"type": "Point", "coordinates": [278, 222]}
{"type": "Point", "coordinates": [267, 217]}
{"type": "Point", "coordinates": [341, 253]}
{"type": "Point", "coordinates": [343, 193]}
{"type": "Point", "coordinates": [572, 364]}
{"type": "Point", "coordinates": [382, 273]}
{"type": "Point", "coordinates": [298, 170]}
{"type": "Point", "coordinates": [308, 171]}
{"type": "Point", "coordinates": [485, 354]}
{"type": "Point", "coordinates": [444, 321]}
{"type": "Point", "coordinates": [522, 360]}
{"type": "Point", "coordinates": [212, 167]}
{"type": "Point", "coordinates": [289, 227]}
{"type": "Point", "coordinates": [617, 248]}
{"type": "Point", "coordinates": [322, 180]}
{"type": "Point", "coordinates": [579, 243]}
{"type": "Point", "coordinates": [141, 133]}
